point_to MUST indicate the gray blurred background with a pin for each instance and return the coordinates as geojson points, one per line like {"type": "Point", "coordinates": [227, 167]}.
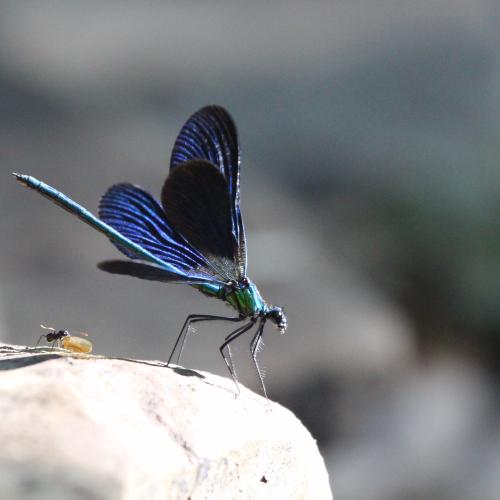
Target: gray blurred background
{"type": "Point", "coordinates": [370, 191]}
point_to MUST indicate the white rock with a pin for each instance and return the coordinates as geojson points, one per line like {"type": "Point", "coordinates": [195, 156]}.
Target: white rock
{"type": "Point", "coordinates": [79, 426]}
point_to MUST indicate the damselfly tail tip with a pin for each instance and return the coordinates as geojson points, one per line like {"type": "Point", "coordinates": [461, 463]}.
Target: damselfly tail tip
{"type": "Point", "coordinates": [20, 177]}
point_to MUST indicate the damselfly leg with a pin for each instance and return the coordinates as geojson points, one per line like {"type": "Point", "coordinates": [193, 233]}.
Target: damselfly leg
{"type": "Point", "coordinates": [233, 336]}
{"type": "Point", "coordinates": [254, 349]}
{"type": "Point", "coordinates": [194, 318]}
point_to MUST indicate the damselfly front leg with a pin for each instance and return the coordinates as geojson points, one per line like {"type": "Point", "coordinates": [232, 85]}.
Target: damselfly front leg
{"type": "Point", "coordinates": [254, 349]}
{"type": "Point", "coordinates": [233, 336]}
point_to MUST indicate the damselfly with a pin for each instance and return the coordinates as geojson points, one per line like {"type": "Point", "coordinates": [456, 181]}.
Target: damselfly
{"type": "Point", "coordinates": [195, 236]}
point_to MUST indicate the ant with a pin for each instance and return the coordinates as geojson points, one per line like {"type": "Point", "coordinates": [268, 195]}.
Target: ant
{"type": "Point", "coordinates": [64, 339]}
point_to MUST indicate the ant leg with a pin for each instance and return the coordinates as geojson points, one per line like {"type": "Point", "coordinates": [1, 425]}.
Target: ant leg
{"type": "Point", "coordinates": [254, 347]}
{"type": "Point", "coordinates": [233, 336]}
{"type": "Point", "coordinates": [40, 339]}
{"type": "Point", "coordinates": [193, 318]}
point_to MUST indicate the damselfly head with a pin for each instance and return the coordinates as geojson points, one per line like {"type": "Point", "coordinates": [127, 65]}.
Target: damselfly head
{"type": "Point", "coordinates": [277, 316]}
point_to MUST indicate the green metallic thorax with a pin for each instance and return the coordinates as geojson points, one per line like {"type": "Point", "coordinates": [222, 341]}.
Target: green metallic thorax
{"type": "Point", "coordinates": [247, 301]}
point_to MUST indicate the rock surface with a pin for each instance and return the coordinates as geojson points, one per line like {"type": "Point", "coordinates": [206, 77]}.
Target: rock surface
{"type": "Point", "coordinates": [77, 426]}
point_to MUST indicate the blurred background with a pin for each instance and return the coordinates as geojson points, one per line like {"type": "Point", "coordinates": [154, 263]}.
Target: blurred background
{"type": "Point", "coordinates": [371, 196]}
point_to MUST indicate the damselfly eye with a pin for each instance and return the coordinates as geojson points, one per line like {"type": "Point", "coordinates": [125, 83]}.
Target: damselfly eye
{"type": "Point", "coordinates": [244, 282]}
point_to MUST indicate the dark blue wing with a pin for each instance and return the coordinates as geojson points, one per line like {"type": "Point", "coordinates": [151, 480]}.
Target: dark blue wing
{"type": "Point", "coordinates": [197, 204]}
{"type": "Point", "coordinates": [149, 272]}
{"type": "Point", "coordinates": [210, 134]}
{"type": "Point", "coordinates": [137, 215]}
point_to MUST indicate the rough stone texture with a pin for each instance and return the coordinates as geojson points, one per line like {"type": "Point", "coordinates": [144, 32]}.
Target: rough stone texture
{"type": "Point", "coordinates": [77, 426]}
